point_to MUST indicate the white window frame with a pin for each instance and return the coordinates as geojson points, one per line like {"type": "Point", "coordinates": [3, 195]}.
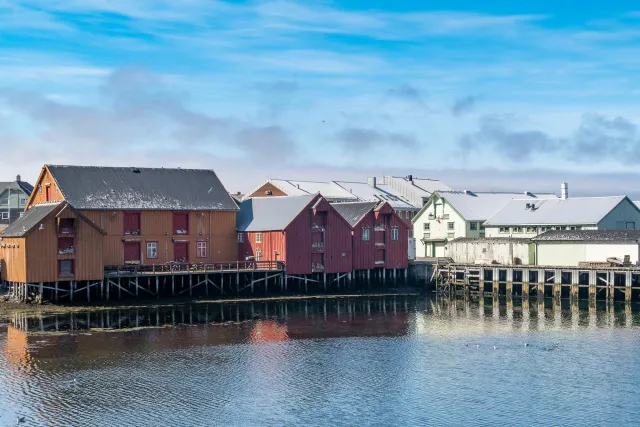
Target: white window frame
{"type": "Point", "coordinates": [505, 230]}
{"type": "Point", "coordinates": [366, 234]}
{"type": "Point", "coordinates": [258, 254]}
{"type": "Point", "coordinates": [451, 226]}
{"type": "Point", "coordinates": [152, 248]}
{"type": "Point", "coordinates": [518, 230]}
{"type": "Point", "coordinates": [427, 226]}
{"type": "Point", "coordinates": [201, 249]}
{"type": "Point", "coordinates": [258, 237]}
{"type": "Point", "coordinates": [532, 229]}
{"type": "Point", "coordinates": [473, 226]}
{"type": "Point", "coordinates": [23, 201]}
{"type": "Point", "coordinates": [5, 215]}
{"type": "Point", "coordinates": [395, 233]}
{"type": "Point", "coordinates": [240, 237]}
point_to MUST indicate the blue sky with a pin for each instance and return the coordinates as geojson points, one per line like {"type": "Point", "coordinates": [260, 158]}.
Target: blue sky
{"type": "Point", "coordinates": [506, 95]}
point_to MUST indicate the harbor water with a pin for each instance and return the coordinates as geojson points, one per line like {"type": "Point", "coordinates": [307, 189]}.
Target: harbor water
{"type": "Point", "coordinates": [371, 360]}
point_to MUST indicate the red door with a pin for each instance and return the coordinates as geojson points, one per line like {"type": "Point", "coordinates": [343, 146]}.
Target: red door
{"type": "Point", "coordinates": [181, 251]}
{"type": "Point", "coordinates": [47, 192]}
{"type": "Point", "coordinates": [131, 252]}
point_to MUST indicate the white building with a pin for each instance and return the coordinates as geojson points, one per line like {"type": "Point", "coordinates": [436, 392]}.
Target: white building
{"type": "Point", "coordinates": [569, 248]}
{"type": "Point", "coordinates": [504, 251]}
{"type": "Point", "coordinates": [448, 215]}
{"type": "Point", "coordinates": [524, 218]}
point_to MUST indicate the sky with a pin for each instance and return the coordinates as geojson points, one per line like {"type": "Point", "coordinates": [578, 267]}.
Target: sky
{"type": "Point", "coordinates": [497, 95]}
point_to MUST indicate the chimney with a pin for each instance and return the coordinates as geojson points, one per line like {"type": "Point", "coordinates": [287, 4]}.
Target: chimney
{"type": "Point", "coordinates": [372, 182]}
{"type": "Point", "coordinates": [410, 178]}
{"type": "Point", "coordinates": [18, 178]}
{"type": "Point", "coordinates": [564, 193]}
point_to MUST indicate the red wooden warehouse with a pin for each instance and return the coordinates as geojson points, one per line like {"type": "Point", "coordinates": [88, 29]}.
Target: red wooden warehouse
{"type": "Point", "coordinates": [305, 232]}
{"type": "Point", "coordinates": [380, 237]}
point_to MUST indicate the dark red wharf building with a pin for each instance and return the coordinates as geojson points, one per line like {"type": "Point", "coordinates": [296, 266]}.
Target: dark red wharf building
{"type": "Point", "coordinates": [380, 238]}
{"type": "Point", "coordinates": [305, 232]}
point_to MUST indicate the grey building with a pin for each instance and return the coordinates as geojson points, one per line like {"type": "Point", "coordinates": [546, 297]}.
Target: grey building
{"type": "Point", "coordinates": [13, 198]}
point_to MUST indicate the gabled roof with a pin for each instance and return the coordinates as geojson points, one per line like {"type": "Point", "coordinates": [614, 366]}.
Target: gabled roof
{"type": "Point", "coordinates": [93, 187]}
{"type": "Point", "coordinates": [381, 192]}
{"type": "Point", "coordinates": [479, 206]}
{"type": "Point", "coordinates": [270, 213]}
{"type": "Point", "coordinates": [590, 236]}
{"type": "Point", "coordinates": [23, 186]}
{"type": "Point", "coordinates": [31, 218]}
{"type": "Point", "coordinates": [354, 212]}
{"type": "Point", "coordinates": [329, 190]}
{"type": "Point", "coordinates": [571, 211]}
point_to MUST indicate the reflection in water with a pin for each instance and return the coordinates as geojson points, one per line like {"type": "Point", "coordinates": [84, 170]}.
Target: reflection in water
{"type": "Point", "coordinates": [370, 360]}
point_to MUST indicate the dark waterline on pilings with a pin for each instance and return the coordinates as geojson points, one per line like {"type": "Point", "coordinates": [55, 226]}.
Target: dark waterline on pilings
{"type": "Point", "coordinates": [393, 360]}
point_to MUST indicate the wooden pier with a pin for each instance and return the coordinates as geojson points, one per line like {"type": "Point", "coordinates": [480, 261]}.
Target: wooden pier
{"type": "Point", "coordinates": [597, 283]}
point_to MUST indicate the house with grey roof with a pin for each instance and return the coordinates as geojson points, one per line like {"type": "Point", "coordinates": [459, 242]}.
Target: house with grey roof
{"type": "Point", "coordinates": [526, 218]}
{"type": "Point", "coordinates": [449, 215]}
{"type": "Point", "coordinates": [13, 199]}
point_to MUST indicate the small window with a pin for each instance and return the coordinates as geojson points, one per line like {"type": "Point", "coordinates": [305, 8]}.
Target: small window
{"type": "Point", "coordinates": [365, 234]}
{"type": "Point", "coordinates": [180, 223]}
{"type": "Point", "coordinates": [201, 249]}
{"type": "Point", "coordinates": [65, 245]}
{"type": "Point", "coordinates": [258, 254]}
{"type": "Point", "coordinates": [517, 229]}
{"type": "Point", "coordinates": [65, 268]}
{"type": "Point", "coordinates": [532, 229]}
{"type": "Point", "coordinates": [504, 229]}
{"type": "Point", "coordinates": [558, 228]}
{"type": "Point", "coordinates": [395, 233]}
{"type": "Point", "coordinates": [66, 225]}
{"type": "Point", "coordinates": [631, 225]}
{"type": "Point", "coordinates": [258, 237]}
{"type": "Point", "coordinates": [132, 223]}
{"type": "Point", "coordinates": [240, 237]}
{"type": "Point", "coordinates": [481, 226]}
{"type": "Point", "coordinates": [451, 226]}
{"type": "Point", "coordinates": [572, 228]}
{"type": "Point", "coordinates": [23, 202]}
{"type": "Point", "coordinates": [427, 226]}
{"type": "Point", "coordinates": [39, 189]}
{"type": "Point", "coordinates": [152, 250]}
{"type": "Point", "coordinates": [5, 215]}
{"type": "Point", "coordinates": [473, 226]}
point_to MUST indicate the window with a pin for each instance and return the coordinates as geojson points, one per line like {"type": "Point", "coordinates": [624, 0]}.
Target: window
{"type": "Point", "coordinates": [631, 225]}
{"type": "Point", "coordinates": [5, 215]}
{"type": "Point", "coordinates": [65, 268]}
{"type": "Point", "coordinates": [504, 229]}
{"type": "Point", "coordinates": [572, 228]}
{"type": "Point", "coordinates": [451, 226]}
{"type": "Point", "coordinates": [532, 229]}
{"type": "Point", "coordinates": [23, 202]}
{"type": "Point", "coordinates": [66, 225]}
{"type": "Point", "coordinates": [517, 229]}
{"type": "Point", "coordinates": [258, 237]}
{"type": "Point", "coordinates": [365, 234]}
{"type": "Point", "coordinates": [258, 254]}
{"type": "Point", "coordinates": [65, 245]}
{"type": "Point", "coordinates": [473, 226]}
{"type": "Point", "coordinates": [132, 223]}
{"type": "Point", "coordinates": [152, 250]}
{"type": "Point", "coordinates": [180, 223]}
{"type": "Point", "coordinates": [426, 236]}
{"type": "Point", "coordinates": [481, 226]}
{"type": "Point", "coordinates": [558, 228]}
{"type": "Point", "coordinates": [39, 189]}
{"type": "Point", "coordinates": [240, 237]}
{"type": "Point", "coordinates": [201, 249]}
{"type": "Point", "coordinates": [427, 226]}
{"type": "Point", "coordinates": [395, 233]}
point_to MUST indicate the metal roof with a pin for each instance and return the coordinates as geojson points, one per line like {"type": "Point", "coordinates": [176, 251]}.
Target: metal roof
{"type": "Point", "coordinates": [92, 187]}
{"type": "Point", "coordinates": [328, 189]}
{"type": "Point", "coordinates": [355, 211]}
{"type": "Point", "coordinates": [590, 236]}
{"type": "Point", "coordinates": [479, 206]}
{"type": "Point", "coordinates": [270, 213]}
{"type": "Point", "coordinates": [571, 211]}
{"type": "Point", "coordinates": [16, 185]}
{"type": "Point", "coordinates": [490, 240]}
{"type": "Point", "coordinates": [381, 192]}
{"type": "Point", "coordinates": [31, 218]}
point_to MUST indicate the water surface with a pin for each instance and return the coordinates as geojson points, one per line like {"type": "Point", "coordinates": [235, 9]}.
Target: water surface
{"type": "Point", "coordinates": [397, 360]}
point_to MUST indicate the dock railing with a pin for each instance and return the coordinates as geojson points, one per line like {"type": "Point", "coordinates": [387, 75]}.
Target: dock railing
{"type": "Point", "coordinates": [183, 267]}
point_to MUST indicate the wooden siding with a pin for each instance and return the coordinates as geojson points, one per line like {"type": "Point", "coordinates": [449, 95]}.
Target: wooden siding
{"type": "Point", "coordinates": [273, 246]}
{"type": "Point", "coordinates": [40, 196]}
{"type": "Point", "coordinates": [394, 253]}
{"type": "Point", "coordinates": [262, 191]}
{"type": "Point", "coordinates": [218, 229]}
{"type": "Point", "coordinates": [14, 260]}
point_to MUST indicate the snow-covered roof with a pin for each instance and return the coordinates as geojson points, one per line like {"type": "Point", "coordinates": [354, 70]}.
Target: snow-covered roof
{"type": "Point", "coordinates": [571, 211]}
{"type": "Point", "coordinates": [270, 213]}
{"type": "Point", "coordinates": [354, 212]}
{"type": "Point", "coordinates": [381, 192]}
{"type": "Point", "coordinates": [590, 236]}
{"type": "Point", "coordinates": [92, 187]}
{"type": "Point", "coordinates": [479, 206]}
{"type": "Point", "coordinates": [429, 186]}
{"type": "Point", "coordinates": [329, 190]}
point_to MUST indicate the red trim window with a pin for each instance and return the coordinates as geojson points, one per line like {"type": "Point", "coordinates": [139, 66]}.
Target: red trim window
{"type": "Point", "coordinates": [201, 249]}
{"type": "Point", "coordinates": [66, 268]}
{"type": "Point", "coordinates": [65, 245]}
{"type": "Point", "coordinates": [152, 250]}
{"type": "Point", "coordinates": [181, 223]}
{"type": "Point", "coordinates": [132, 223]}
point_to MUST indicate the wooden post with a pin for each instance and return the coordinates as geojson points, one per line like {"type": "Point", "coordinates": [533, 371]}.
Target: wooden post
{"type": "Point", "coordinates": [88, 291]}
{"type": "Point", "coordinates": [173, 285]}
{"type": "Point", "coordinates": [119, 289]}
{"type": "Point", "coordinates": [56, 291]}
{"type": "Point", "coordinates": [284, 274]}
{"type": "Point", "coordinates": [306, 289]}
{"type": "Point", "coordinates": [509, 286]}
{"type": "Point", "coordinates": [266, 282]}
{"type": "Point", "coordinates": [325, 282]}
{"type": "Point", "coordinates": [592, 285]}
{"type": "Point", "coordinates": [252, 283]}
{"type": "Point", "coordinates": [190, 284]}
{"type": "Point", "coordinates": [157, 287]}
{"type": "Point", "coordinates": [237, 283]}
{"type": "Point", "coordinates": [102, 289]}
{"type": "Point", "coordinates": [627, 288]}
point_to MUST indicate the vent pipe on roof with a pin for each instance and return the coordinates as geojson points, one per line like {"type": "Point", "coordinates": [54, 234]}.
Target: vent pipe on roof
{"type": "Point", "coordinates": [372, 181]}
{"type": "Point", "coordinates": [564, 193]}
{"type": "Point", "coordinates": [18, 178]}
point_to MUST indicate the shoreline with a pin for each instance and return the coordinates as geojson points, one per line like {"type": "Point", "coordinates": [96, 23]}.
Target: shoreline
{"type": "Point", "coordinates": [8, 308]}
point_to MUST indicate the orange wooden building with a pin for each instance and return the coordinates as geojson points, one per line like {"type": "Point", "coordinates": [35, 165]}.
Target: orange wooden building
{"type": "Point", "coordinates": [93, 217]}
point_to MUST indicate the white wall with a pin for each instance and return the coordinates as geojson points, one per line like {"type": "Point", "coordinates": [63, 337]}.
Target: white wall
{"type": "Point", "coordinates": [486, 252]}
{"type": "Point", "coordinates": [623, 213]}
{"type": "Point", "coordinates": [495, 231]}
{"type": "Point", "coordinates": [570, 254]}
